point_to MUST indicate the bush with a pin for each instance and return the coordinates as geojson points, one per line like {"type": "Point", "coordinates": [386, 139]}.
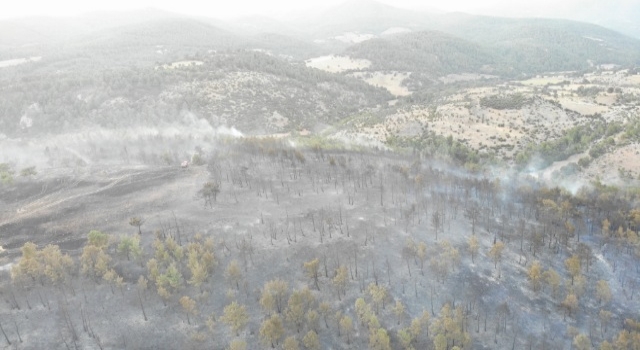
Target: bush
{"type": "Point", "coordinates": [512, 101]}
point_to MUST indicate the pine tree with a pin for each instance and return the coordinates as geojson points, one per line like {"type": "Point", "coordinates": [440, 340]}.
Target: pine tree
{"type": "Point", "coordinates": [189, 307]}
{"type": "Point", "coordinates": [603, 292]}
{"type": "Point", "coordinates": [235, 316]}
{"type": "Point", "coordinates": [311, 341]}
{"type": "Point", "coordinates": [346, 327]}
{"type": "Point", "coordinates": [271, 331]}
{"type": "Point", "coordinates": [535, 275]}
{"type": "Point", "coordinates": [234, 273]}
{"type": "Point", "coordinates": [312, 270]}
{"type": "Point", "coordinates": [341, 279]}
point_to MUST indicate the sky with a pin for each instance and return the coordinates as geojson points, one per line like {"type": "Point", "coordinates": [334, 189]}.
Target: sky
{"type": "Point", "coordinates": [275, 8]}
{"type": "Point", "coordinates": [621, 15]}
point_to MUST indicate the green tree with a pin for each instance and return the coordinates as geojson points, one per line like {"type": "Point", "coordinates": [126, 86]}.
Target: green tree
{"type": "Point", "coordinates": [399, 311]}
{"type": "Point", "coordinates": [363, 310]}
{"type": "Point", "coordinates": [570, 303]}
{"type": "Point", "coordinates": [29, 266]}
{"type": "Point", "coordinates": [346, 327]}
{"type": "Point", "coordinates": [137, 222]}
{"type": "Point", "coordinates": [200, 260]}
{"type": "Point", "coordinates": [341, 279]}
{"type": "Point", "coordinates": [56, 265]}
{"type": "Point", "coordinates": [378, 295]}
{"type": "Point", "coordinates": [421, 253]}
{"type": "Point", "coordinates": [6, 174]}
{"type": "Point", "coordinates": [94, 261]}
{"type": "Point", "coordinates": [603, 292]}
{"type": "Point", "coordinates": [271, 330]}
{"type": "Point", "coordinates": [605, 318]}
{"type": "Point", "coordinates": [582, 342]}
{"type": "Point", "coordinates": [290, 343]}
{"type": "Point", "coordinates": [605, 345]}
{"type": "Point", "coordinates": [141, 288]}
{"type": "Point", "coordinates": [129, 246]}
{"type": "Point", "coordinates": [440, 342]}
{"type": "Point", "coordinates": [573, 266]}
{"type": "Point", "coordinates": [297, 306]}
{"type": "Point", "coordinates": [535, 275]}
{"type": "Point", "coordinates": [312, 270]}
{"type": "Point", "coordinates": [496, 253]}
{"type": "Point", "coordinates": [171, 279]}
{"type": "Point", "coordinates": [235, 316]}
{"type": "Point", "coordinates": [112, 277]}
{"type": "Point", "coordinates": [209, 192]}
{"type": "Point", "coordinates": [234, 273]}
{"type": "Point", "coordinates": [406, 339]}
{"type": "Point", "coordinates": [325, 310]}
{"type": "Point", "coordinates": [553, 280]}
{"type": "Point", "coordinates": [621, 342]}
{"type": "Point", "coordinates": [313, 320]}
{"type": "Point", "coordinates": [189, 307]}
{"type": "Point", "coordinates": [238, 344]}
{"type": "Point", "coordinates": [311, 341]}
{"type": "Point", "coordinates": [379, 340]}
{"type": "Point", "coordinates": [98, 239]}
{"type": "Point", "coordinates": [474, 246]}
{"type": "Point", "coordinates": [274, 295]}
{"type": "Point", "coordinates": [29, 171]}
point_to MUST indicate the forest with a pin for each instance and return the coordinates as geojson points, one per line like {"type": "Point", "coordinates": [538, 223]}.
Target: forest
{"type": "Point", "coordinates": [364, 249]}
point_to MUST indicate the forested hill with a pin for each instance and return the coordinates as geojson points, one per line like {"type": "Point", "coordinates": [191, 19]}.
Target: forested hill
{"type": "Point", "coordinates": [432, 52]}
{"type": "Point", "coordinates": [506, 50]}
{"type": "Point", "coordinates": [538, 45]}
{"type": "Point", "coordinates": [250, 90]}
{"type": "Point", "coordinates": [529, 45]}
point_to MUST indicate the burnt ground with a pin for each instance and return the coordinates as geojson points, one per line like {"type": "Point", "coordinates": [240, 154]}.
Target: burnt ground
{"type": "Point", "coordinates": [281, 206]}
{"type": "Point", "coordinates": [52, 210]}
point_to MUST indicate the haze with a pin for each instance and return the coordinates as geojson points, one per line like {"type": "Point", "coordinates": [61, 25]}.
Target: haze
{"type": "Point", "coordinates": [278, 8]}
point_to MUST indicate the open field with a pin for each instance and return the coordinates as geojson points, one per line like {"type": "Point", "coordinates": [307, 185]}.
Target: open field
{"type": "Point", "coordinates": [336, 64]}
{"type": "Point", "coordinates": [392, 81]}
{"type": "Point", "coordinates": [18, 61]}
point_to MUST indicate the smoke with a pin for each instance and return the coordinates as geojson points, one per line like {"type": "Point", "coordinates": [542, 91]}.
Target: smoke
{"type": "Point", "coordinates": [350, 140]}
{"type": "Point", "coordinates": [162, 143]}
{"type": "Point", "coordinates": [226, 131]}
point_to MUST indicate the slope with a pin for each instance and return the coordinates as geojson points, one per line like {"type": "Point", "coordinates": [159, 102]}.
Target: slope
{"type": "Point", "coordinates": [250, 90]}
{"type": "Point", "coordinates": [431, 52]}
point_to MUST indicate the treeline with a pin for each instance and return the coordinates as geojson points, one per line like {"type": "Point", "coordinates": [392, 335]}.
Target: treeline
{"type": "Point", "coordinates": [431, 145]}
{"type": "Point", "coordinates": [508, 101]}
{"type": "Point", "coordinates": [597, 137]}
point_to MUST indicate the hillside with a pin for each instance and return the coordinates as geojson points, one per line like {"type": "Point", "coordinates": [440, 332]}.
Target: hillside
{"type": "Point", "coordinates": [325, 247]}
{"type": "Point", "coordinates": [518, 45]}
{"type": "Point", "coordinates": [537, 45]}
{"type": "Point", "coordinates": [502, 49]}
{"type": "Point", "coordinates": [431, 52]}
{"type": "Point", "coordinates": [366, 177]}
{"type": "Point", "coordinates": [238, 88]}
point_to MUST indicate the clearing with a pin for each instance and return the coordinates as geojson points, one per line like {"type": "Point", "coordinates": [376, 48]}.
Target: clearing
{"type": "Point", "coordinates": [337, 64]}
